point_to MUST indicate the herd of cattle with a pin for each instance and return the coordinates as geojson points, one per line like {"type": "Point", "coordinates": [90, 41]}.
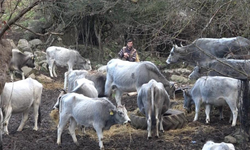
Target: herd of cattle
{"type": "Point", "coordinates": [86, 90]}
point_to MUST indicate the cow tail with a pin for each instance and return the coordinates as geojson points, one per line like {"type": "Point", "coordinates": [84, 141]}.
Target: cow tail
{"type": "Point", "coordinates": [152, 101]}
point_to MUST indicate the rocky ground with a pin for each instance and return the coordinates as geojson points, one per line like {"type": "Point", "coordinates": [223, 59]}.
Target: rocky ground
{"type": "Point", "coordinates": [191, 137]}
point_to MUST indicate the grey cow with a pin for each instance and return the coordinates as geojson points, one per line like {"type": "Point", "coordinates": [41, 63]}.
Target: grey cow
{"type": "Point", "coordinates": [98, 113]}
{"type": "Point", "coordinates": [218, 47]}
{"type": "Point", "coordinates": [98, 78]}
{"type": "Point", "coordinates": [20, 60]}
{"type": "Point", "coordinates": [217, 91]}
{"type": "Point", "coordinates": [65, 57]}
{"type": "Point", "coordinates": [224, 67]}
{"type": "Point", "coordinates": [125, 76]}
{"type": "Point", "coordinates": [153, 101]}
{"type": "Point", "coordinates": [19, 97]}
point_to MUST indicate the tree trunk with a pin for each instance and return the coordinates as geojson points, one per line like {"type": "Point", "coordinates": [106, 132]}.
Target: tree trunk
{"type": "Point", "coordinates": [98, 32]}
{"type": "Point", "coordinates": [5, 57]}
{"type": "Point", "coordinates": [245, 106]}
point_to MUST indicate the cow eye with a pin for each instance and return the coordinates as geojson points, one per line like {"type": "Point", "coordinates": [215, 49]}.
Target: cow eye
{"type": "Point", "coordinates": [120, 113]}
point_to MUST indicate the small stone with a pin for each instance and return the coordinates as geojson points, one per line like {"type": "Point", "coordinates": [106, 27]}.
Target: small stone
{"type": "Point", "coordinates": [230, 139]}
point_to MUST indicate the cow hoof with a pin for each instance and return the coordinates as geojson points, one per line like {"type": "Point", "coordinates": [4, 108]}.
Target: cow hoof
{"type": "Point", "coordinates": [35, 129]}
{"type": "Point", "coordinates": [162, 131]}
{"type": "Point", "coordinates": [77, 144]}
{"type": "Point", "coordinates": [149, 137]}
{"type": "Point", "coordinates": [157, 136]}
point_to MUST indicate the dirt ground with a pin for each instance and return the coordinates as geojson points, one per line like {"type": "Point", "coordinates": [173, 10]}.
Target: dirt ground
{"type": "Point", "coordinates": [119, 137]}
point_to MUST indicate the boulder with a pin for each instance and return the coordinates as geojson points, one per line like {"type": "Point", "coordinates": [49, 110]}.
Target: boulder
{"type": "Point", "coordinates": [35, 43]}
{"type": "Point", "coordinates": [24, 45]}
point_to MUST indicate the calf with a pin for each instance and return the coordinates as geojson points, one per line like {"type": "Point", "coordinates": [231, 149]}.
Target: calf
{"type": "Point", "coordinates": [20, 60]}
{"type": "Point", "coordinates": [210, 145]}
{"type": "Point", "coordinates": [99, 113]}
{"type": "Point", "coordinates": [65, 57]}
{"type": "Point", "coordinates": [153, 101]}
{"type": "Point", "coordinates": [216, 91]}
{"type": "Point", "coordinates": [98, 78]}
{"type": "Point", "coordinates": [85, 87]}
{"type": "Point", "coordinates": [18, 97]}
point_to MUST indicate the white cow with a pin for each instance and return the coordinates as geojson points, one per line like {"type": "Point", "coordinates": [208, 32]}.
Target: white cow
{"type": "Point", "coordinates": [153, 101]}
{"type": "Point", "coordinates": [65, 57]}
{"type": "Point", "coordinates": [85, 87]}
{"type": "Point", "coordinates": [125, 76]}
{"type": "Point", "coordinates": [210, 145]}
{"type": "Point", "coordinates": [98, 113]}
{"type": "Point", "coordinates": [214, 90]}
{"type": "Point", "coordinates": [18, 97]}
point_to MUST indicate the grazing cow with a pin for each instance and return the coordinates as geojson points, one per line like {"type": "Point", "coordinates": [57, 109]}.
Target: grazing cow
{"type": "Point", "coordinates": [217, 91]}
{"type": "Point", "coordinates": [65, 57]}
{"type": "Point", "coordinates": [98, 78]}
{"type": "Point", "coordinates": [20, 60]}
{"type": "Point", "coordinates": [18, 97]}
{"type": "Point", "coordinates": [224, 67]}
{"type": "Point", "coordinates": [98, 113]}
{"type": "Point", "coordinates": [153, 101]}
{"type": "Point", "coordinates": [194, 53]}
{"type": "Point", "coordinates": [127, 76]}
{"type": "Point", "coordinates": [210, 145]}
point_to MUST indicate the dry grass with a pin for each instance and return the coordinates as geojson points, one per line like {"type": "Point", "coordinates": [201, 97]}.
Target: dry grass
{"type": "Point", "coordinates": [53, 85]}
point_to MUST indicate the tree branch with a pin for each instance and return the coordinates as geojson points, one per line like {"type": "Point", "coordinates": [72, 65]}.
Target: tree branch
{"type": "Point", "coordinates": [39, 34]}
{"type": "Point", "coordinates": [15, 19]}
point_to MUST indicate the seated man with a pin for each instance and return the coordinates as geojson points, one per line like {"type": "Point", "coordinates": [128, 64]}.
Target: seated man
{"type": "Point", "coordinates": [128, 52]}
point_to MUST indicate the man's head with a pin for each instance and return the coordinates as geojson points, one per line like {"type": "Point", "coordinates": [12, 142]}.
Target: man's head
{"type": "Point", "coordinates": [130, 43]}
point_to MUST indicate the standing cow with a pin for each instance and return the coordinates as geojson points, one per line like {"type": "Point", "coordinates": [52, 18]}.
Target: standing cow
{"type": "Point", "coordinates": [195, 52]}
{"type": "Point", "coordinates": [125, 76]}
{"type": "Point", "coordinates": [20, 60]}
{"type": "Point", "coordinates": [153, 101]}
{"type": "Point", "coordinates": [98, 113]}
{"type": "Point", "coordinates": [217, 91]}
{"type": "Point", "coordinates": [18, 97]}
{"type": "Point", "coordinates": [65, 57]}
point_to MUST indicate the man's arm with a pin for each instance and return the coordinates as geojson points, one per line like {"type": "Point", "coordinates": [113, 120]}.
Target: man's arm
{"type": "Point", "coordinates": [120, 54]}
{"type": "Point", "coordinates": [133, 57]}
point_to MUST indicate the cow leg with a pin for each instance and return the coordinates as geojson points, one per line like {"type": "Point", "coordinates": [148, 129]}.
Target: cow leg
{"type": "Point", "coordinates": [24, 119]}
{"type": "Point", "coordinates": [23, 76]}
{"type": "Point", "coordinates": [197, 109]}
{"type": "Point", "coordinates": [51, 64]}
{"type": "Point", "coordinates": [62, 123]}
{"type": "Point", "coordinates": [36, 113]}
{"type": "Point", "coordinates": [12, 76]}
{"type": "Point", "coordinates": [54, 69]}
{"type": "Point", "coordinates": [72, 130]}
{"type": "Point", "coordinates": [108, 87]}
{"type": "Point", "coordinates": [157, 121]}
{"type": "Point", "coordinates": [6, 119]}
{"type": "Point", "coordinates": [118, 95]}
{"type": "Point", "coordinates": [99, 133]}
{"type": "Point", "coordinates": [149, 123]}
{"type": "Point", "coordinates": [161, 124]}
{"type": "Point", "coordinates": [221, 113]}
{"type": "Point", "coordinates": [234, 111]}
{"type": "Point", "coordinates": [207, 111]}
{"type": "Point", "coordinates": [66, 80]}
